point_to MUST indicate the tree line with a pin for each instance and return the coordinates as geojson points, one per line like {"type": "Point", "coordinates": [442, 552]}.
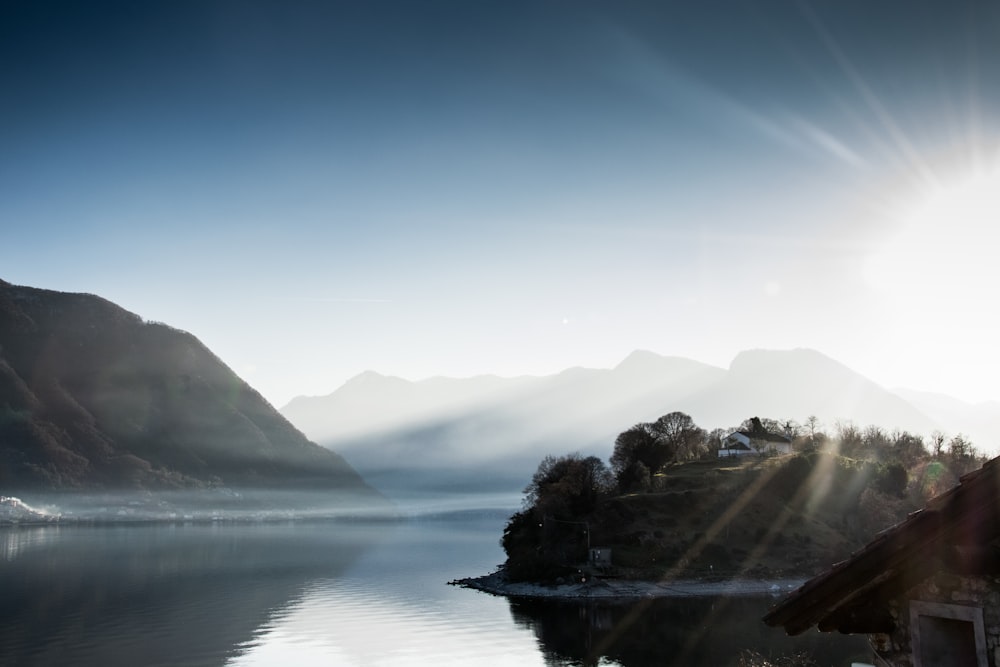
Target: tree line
{"type": "Point", "coordinates": [643, 451]}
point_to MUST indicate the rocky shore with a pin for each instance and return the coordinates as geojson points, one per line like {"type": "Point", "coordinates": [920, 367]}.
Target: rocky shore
{"type": "Point", "coordinates": [624, 589]}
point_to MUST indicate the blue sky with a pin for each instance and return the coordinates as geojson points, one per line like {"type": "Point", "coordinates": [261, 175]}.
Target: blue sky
{"type": "Point", "coordinates": [315, 189]}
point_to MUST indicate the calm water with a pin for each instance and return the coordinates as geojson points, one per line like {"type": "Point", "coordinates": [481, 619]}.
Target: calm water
{"type": "Point", "coordinates": [329, 593]}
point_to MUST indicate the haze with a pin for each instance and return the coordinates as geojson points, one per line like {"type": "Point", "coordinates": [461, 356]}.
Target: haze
{"type": "Point", "coordinates": [454, 188]}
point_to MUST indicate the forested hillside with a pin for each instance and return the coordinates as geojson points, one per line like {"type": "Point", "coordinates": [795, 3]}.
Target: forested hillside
{"type": "Point", "coordinates": [93, 397]}
{"type": "Point", "coordinates": [692, 513]}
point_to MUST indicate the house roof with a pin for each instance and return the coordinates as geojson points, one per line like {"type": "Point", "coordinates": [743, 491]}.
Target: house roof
{"type": "Point", "coordinates": [764, 435]}
{"type": "Point", "coordinates": [957, 531]}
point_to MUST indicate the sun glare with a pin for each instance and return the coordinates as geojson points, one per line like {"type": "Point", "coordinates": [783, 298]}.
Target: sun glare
{"type": "Point", "coordinates": [933, 278]}
{"type": "Point", "coordinates": [942, 245]}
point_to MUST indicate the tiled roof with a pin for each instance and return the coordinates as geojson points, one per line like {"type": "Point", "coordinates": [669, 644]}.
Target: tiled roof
{"type": "Point", "coordinates": [765, 435]}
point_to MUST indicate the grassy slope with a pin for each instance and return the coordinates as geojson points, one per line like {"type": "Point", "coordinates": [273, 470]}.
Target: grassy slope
{"type": "Point", "coordinates": [788, 515]}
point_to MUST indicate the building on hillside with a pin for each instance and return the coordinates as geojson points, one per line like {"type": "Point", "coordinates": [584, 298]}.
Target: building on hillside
{"type": "Point", "coordinates": [600, 556]}
{"type": "Point", "coordinates": [741, 443]}
{"type": "Point", "coordinates": [926, 591]}
{"type": "Point", "coordinates": [733, 445]}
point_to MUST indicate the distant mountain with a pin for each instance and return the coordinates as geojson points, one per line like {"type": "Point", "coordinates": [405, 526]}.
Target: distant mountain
{"type": "Point", "coordinates": [92, 397]}
{"type": "Point", "coordinates": [794, 384]}
{"type": "Point", "coordinates": [487, 432]}
{"type": "Point", "coordinates": [978, 421]}
{"type": "Point", "coordinates": [372, 403]}
{"type": "Point", "coordinates": [492, 432]}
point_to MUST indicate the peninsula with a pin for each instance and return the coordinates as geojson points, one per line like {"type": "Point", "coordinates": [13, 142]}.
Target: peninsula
{"type": "Point", "coordinates": [753, 524]}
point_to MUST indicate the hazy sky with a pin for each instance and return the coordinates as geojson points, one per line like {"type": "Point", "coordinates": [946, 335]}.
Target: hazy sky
{"type": "Point", "coordinates": [421, 188]}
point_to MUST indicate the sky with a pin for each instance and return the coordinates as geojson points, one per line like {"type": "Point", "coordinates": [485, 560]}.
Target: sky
{"type": "Point", "coordinates": [317, 189]}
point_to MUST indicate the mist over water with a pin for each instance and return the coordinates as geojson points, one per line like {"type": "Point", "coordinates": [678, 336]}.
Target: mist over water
{"type": "Point", "coordinates": [213, 504]}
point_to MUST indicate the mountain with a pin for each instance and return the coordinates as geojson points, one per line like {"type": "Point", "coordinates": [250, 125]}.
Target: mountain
{"type": "Point", "coordinates": [978, 421]}
{"type": "Point", "coordinates": [793, 384]}
{"type": "Point", "coordinates": [92, 397]}
{"type": "Point", "coordinates": [371, 403]}
{"type": "Point", "coordinates": [490, 421]}
{"type": "Point", "coordinates": [489, 432]}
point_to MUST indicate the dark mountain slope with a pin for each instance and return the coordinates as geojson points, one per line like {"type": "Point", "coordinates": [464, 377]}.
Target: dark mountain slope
{"type": "Point", "coordinates": [93, 397]}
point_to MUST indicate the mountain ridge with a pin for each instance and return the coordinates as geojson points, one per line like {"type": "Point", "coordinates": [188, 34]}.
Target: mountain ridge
{"type": "Point", "coordinates": [92, 397]}
{"type": "Point", "coordinates": [504, 434]}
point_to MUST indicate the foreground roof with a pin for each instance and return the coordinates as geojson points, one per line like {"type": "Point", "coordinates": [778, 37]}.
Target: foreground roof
{"type": "Point", "coordinates": [956, 531]}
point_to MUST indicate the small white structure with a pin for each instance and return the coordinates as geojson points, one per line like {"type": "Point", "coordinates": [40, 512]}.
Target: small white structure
{"type": "Point", "coordinates": [742, 443]}
{"type": "Point", "coordinates": [735, 444]}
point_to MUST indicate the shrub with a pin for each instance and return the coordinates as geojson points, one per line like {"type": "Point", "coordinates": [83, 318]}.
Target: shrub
{"type": "Point", "coordinates": [892, 479]}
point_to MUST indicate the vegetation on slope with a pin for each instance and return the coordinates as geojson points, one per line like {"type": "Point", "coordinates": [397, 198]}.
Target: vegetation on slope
{"type": "Point", "coordinates": [93, 397]}
{"type": "Point", "coordinates": [754, 516]}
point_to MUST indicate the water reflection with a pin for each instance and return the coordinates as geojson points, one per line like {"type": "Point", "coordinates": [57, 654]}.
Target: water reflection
{"type": "Point", "coordinates": [395, 608]}
{"type": "Point", "coordinates": [675, 631]}
{"type": "Point", "coordinates": [14, 541]}
{"type": "Point", "coordinates": [255, 595]}
{"type": "Point", "coordinates": [148, 595]}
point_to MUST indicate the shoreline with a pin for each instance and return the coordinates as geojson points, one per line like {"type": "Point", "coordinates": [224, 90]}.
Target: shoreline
{"type": "Point", "coordinates": [622, 589]}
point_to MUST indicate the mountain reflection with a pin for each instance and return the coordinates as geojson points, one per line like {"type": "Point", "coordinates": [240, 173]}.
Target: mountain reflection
{"type": "Point", "coordinates": [159, 594]}
{"type": "Point", "coordinates": [669, 631]}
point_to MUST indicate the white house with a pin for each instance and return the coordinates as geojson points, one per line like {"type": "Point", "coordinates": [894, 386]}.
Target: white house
{"type": "Point", "coordinates": [741, 443]}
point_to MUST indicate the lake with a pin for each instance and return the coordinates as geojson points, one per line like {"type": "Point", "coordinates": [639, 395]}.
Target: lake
{"type": "Point", "coordinates": [336, 593]}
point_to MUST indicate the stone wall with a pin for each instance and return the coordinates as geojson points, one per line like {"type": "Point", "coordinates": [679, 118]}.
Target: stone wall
{"type": "Point", "coordinates": [896, 650]}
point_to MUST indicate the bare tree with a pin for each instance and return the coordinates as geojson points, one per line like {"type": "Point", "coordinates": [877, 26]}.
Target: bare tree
{"type": "Point", "coordinates": [937, 443]}
{"type": "Point", "coordinates": [713, 441]}
{"type": "Point", "coordinates": [812, 425]}
{"type": "Point", "coordinates": [646, 447]}
{"type": "Point", "coordinates": [849, 439]}
{"type": "Point", "coordinates": [876, 442]}
{"type": "Point", "coordinates": [907, 448]}
{"type": "Point", "coordinates": [963, 455]}
{"type": "Point", "coordinates": [682, 437]}
{"type": "Point", "coordinates": [816, 435]}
